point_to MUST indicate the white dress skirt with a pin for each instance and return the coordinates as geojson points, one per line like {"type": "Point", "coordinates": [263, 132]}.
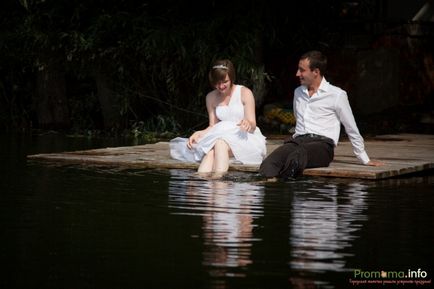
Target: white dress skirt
{"type": "Point", "coordinates": [247, 148]}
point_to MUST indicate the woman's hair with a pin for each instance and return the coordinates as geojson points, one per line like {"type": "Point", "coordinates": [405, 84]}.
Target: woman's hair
{"type": "Point", "coordinates": [219, 70]}
{"type": "Point", "coordinates": [316, 60]}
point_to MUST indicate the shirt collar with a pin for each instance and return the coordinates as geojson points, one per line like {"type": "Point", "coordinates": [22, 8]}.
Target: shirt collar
{"type": "Point", "coordinates": [323, 87]}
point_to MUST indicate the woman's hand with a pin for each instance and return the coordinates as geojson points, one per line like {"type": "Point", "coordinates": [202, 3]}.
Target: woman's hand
{"type": "Point", "coordinates": [194, 138]}
{"type": "Point", "coordinates": [245, 125]}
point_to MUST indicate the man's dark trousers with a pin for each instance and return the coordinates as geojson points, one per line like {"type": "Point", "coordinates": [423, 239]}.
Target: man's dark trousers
{"type": "Point", "coordinates": [290, 159]}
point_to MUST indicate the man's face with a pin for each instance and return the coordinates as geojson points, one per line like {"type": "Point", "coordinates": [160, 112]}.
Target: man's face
{"type": "Point", "coordinates": [305, 74]}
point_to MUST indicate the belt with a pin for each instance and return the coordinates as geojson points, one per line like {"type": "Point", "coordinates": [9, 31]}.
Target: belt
{"type": "Point", "coordinates": [312, 135]}
{"type": "Point", "coordinates": [316, 136]}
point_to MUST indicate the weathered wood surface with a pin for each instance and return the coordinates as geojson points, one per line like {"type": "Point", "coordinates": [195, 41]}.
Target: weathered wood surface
{"type": "Point", "coordinates": [403, 154]}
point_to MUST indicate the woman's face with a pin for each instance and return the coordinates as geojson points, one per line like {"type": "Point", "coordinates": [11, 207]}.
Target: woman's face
{"type": "Point", "coordinates": [224, 86]}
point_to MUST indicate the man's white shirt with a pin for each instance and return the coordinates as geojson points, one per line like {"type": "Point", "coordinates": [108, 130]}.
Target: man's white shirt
{"type": "Point", "coordinates": [323, 113]}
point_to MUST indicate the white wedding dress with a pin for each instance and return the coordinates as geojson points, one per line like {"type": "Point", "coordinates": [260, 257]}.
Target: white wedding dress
{"type": "Point", "coordinates": [247, 148]}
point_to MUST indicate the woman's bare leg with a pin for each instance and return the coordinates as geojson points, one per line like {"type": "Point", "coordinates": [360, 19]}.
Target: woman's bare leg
{"type": "Point", "coordinates": [221, 158]}
{"type": "Point", "coordinates": [207, 164]}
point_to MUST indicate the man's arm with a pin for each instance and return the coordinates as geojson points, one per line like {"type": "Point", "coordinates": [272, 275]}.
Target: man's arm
{"type": "Point", "coordinates": [346, 117]}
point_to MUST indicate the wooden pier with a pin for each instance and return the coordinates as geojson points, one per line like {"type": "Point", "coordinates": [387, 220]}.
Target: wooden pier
{"type": "Point", "coordinates": [402, 154]}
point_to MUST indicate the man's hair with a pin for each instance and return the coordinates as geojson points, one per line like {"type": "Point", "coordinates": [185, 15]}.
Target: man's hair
{"type": "Point", "coordinates": [316, 60]}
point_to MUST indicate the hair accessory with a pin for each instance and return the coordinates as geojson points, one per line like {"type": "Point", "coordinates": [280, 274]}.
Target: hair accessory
{"type": "Point", "coordinates": [221, 66]}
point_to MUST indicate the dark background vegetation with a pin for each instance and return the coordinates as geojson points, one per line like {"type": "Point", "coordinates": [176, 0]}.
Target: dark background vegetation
{"type": "Point", "coordinates": [118, 66]}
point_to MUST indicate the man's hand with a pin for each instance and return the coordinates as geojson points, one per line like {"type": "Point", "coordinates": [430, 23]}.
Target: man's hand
{"type": "Point", "coordinates": [375, 163]}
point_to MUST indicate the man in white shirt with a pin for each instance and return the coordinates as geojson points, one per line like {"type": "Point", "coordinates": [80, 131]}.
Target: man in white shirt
{"type": "Point", "coordinates": [319, 108]}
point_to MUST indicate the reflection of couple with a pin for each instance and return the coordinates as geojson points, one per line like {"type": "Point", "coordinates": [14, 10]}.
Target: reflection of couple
{"type": "Point", "coordinates": [323, 225]}
{"type": "Point", "coordinates": [228, 211]}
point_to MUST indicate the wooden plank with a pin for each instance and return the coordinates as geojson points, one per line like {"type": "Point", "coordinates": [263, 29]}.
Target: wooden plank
{"type": "Point", "coordinates": [403, 154]}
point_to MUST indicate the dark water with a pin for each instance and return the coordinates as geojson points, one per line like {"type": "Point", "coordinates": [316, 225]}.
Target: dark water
{"type": "Point", "coordinates": [75, 227]}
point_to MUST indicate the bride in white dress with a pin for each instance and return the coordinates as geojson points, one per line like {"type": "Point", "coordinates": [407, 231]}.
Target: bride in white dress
{"type": "Point", "coordinates": [232, 130]}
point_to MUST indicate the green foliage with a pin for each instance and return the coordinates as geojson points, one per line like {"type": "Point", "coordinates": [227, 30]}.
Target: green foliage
{"type": "Point", "coordinates": [160, 127]}
{"type": "Point", "coordinates": [155, 53]}
{"type": "Point", "coordinates": [157, 58]}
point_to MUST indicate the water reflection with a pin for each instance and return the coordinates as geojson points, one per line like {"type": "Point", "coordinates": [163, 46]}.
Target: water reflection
{"type": "Point", "coordinates": [228, 210]}
{"type": "Point", "coordinates": [65, 226]}
{"type": "Point", "coordinates": [324, 222]}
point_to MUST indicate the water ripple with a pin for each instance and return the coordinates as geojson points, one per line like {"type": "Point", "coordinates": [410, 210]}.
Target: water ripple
{"type": "Point", "coordinates": [323, 223]}
{"type": "Point", "coordinates": [228, 210]}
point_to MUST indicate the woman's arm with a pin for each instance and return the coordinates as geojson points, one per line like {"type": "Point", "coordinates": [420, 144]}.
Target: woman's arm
{"type": "Point", "coordinates": [212, 118]}
{"type": "Point", "coordinates": [249, 122]}
{"type": "Point", "coordinates": [211, 103]}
